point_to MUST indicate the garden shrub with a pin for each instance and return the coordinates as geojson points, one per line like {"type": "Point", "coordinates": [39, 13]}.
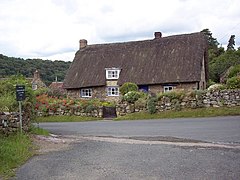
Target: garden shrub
{"type": "Point", "coordinates": [234, 71]}
{"type": "Point", "coordinates": [176, 104]}
{"type": "Point", "coordinates": [151, 105]}
{"type": "Point", "coordinates": [172, 95]}
{"type": "Point", "coordinates": [141, 103]}
{"type": "Point", "coordinates": [131, 96]}
{"type": "Point", "coordinates": [108, 104]}
{"type": "Point", "coordinates": [216, 87]}
{"type": "Point", "coordinates": [8, 93]}
{"type": "Point", "coordinates": [127, 87]}
{"type": "Point", "coordinates": [197, 94]}
{"type": "Point", "coordinates": [90, 108]}
{"type": "Point", "coordinates": [233, 83]}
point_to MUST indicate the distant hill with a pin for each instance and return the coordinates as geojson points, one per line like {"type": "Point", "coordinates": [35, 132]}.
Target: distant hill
{"type": "Point", "coordinates": [49, 70]}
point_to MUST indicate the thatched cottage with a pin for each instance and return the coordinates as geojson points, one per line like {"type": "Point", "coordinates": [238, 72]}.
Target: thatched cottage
{"type": "Point", "coordinates": [157, 65]}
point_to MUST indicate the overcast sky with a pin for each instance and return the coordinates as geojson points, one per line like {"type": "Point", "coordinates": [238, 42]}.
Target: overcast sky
{"type": "Point", "coordinates": [51, 29]}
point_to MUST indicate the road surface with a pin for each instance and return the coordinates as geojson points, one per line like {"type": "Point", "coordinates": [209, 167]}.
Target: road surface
{"type": "Point", "coordinates": [199, 148]}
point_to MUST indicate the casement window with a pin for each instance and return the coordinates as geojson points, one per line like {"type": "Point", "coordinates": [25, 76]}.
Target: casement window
{"type": "Point", "coordinates": [86, 93]}
{"type": "Point", "coordinates": [112, 73]}
{"type": "Point", "coordinates": [168, 88]}
{"type": "Point", "coordinates": [112, 91]}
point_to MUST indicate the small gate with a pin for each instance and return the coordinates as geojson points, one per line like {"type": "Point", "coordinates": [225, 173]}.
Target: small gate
{"type": "Point", "coordinates": [109, 112]}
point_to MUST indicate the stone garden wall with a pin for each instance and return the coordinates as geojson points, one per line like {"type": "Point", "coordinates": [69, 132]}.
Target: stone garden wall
{"type": "Point", "coordinates": [73, 110]}
{"type": "Point", "coordinates": [204, 99]}
{"type": "Point", "coordinates": [10, 122]}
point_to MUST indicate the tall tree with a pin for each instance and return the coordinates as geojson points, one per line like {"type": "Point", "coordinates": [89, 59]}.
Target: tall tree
{"type": "Point", "coordinates": [212, 42]}
{"type": "Point", "coordinates": [231, 43]}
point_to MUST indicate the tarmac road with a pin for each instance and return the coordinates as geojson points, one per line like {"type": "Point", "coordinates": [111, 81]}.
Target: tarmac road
{"type": "Point", "coordinates": [146, 149]}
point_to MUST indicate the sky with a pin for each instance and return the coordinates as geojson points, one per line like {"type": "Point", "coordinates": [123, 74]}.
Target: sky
{"type": "Point", "coordinates": [51, 29]}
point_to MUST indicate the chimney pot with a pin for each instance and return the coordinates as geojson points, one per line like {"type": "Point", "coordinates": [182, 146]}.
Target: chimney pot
{"type": "Point", "coordinates": [157, 35]}
{"type": "Point", "coordinates": [82, 43]}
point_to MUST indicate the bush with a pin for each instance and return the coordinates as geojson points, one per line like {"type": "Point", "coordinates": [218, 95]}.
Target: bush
{"type": "Point", "coordinates": [233, 83]}
{"type": "Point", "coordinates": [108, 104]}
{"type": "Point", "coordinates": [141, 103]}
{"type": "Point", "coordinates": [127, 87]}
{"type": "Point", "coordinates": [8, 92]}
{"type": "Point", "coordinates": [234, 71]}
{"type": "Point", "coordinates": [90, 108]}
{"type": "Point", "coordinates": [8, 103]}
{"type": "Point", "coordinates": [172, 95]}
{"type": "Point", "coordinates": [197, 94]}
{"type": "Point", "coordinates": [151, 105]}
{"type": "Point", "coordinates": [216, 87]}
{"type": "Point", "coordinates": [131, 96]}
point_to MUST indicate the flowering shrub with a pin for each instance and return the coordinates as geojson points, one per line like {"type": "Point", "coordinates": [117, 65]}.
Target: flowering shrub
{"type": "Point", "coordinates": [46, 104]}
{"type": "Point", "coordinates": [131, 96]}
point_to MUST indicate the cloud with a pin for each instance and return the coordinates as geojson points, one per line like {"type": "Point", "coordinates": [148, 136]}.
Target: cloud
{"type": "Point", "coordinates": [52, 28]}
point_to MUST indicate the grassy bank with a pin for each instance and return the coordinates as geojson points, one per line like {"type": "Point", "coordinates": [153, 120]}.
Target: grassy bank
{"type": "Point", "coordinates": [201, 112]}
{"type": "Point", "coordinates": [66, 119]}
{"type": "Point", "coordinates": [14, 151]}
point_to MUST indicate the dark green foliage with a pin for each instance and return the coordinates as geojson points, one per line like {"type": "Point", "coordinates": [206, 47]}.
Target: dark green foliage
{"type": "Point", "coordinates": [8, 93]}
{"type": "Point", "coordinates": [220, 64]}
{"type": "Point", "coordinates": [128, 86]}
{"type": "Point", "coordinates": [234, 71]}
{"type": "Point", "coordinates": [90, 108]}
{"type": "Point", "coordinates": [151, 105]}
{"type": "Point", "coordinates": [49, 70]}
{"type": "Point", "coordinates": [212, 42]}
{"type": "Point", "coordinates": [231, 43]}
{"type": "Point", "coordinates": [233, 83]}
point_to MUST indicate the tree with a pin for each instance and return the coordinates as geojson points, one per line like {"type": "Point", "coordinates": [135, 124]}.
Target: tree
{"type": "Point", "coordinates": [231, 43]}
{"type": "Point", "coordinates": [212, 42]}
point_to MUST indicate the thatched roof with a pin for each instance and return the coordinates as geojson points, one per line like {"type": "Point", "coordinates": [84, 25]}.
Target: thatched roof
{"type": "Point", "coordinates": [164, 60]}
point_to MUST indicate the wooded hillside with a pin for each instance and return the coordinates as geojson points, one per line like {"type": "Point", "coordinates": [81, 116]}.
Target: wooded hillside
{"type": "Point", "coordinates": [49, 70]}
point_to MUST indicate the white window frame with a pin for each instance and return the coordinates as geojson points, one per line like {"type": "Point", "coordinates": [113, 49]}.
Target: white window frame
{"type": "Point", "coordinates": [167, 88]}
{"type": "Point", "coordinates": [112, 73]}
{"type": "Point", "coordinates": [86, 92]}
{"type": "Point", "coordinates": [112, 89]}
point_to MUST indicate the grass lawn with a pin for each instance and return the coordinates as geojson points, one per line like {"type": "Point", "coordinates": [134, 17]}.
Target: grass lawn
{"type": "Point", "coordinates": [200, 112]}
{"type": "Point", "coordinates": [65, 119]}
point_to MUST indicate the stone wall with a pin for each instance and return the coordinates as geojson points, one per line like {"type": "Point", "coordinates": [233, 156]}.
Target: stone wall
{"type": "Point", "coordinates": [10, 122]}
{"type": "Point", "coordinates": [205, 99]}
{"type": "Point", "coordinates": [73, 110]}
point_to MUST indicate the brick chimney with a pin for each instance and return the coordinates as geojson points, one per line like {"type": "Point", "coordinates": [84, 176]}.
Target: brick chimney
{"type": "Point", "coordinates": [157, 35]}
{"type": "Point", "coordinates": [82, 43]}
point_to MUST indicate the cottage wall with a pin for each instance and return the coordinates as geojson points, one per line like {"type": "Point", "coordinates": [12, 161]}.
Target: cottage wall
{"type": "Point", "coordinates": [181, 86]}
{"type": "Point", "coordinates": [97, 92]}
{"type": "Point", "coordinates": [202, 83]}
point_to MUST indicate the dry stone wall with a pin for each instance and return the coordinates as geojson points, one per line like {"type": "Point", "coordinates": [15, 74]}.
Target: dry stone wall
{"type": "Point", "coordinates": [221, 98]}
{"type": "Point", "coordinates": [10, 122]}
{"type": "Point", "coordinates": [69, 111]}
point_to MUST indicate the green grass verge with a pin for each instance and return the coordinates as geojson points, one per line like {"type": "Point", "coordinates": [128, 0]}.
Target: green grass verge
{"type": "Point", "coordinates": [66, 119]}
{"type": "Point", "coordinates": [201, 112]}
{"type": "Point", "coordinates": [38, 131]}
{"type": "Point", "coordinates": [15, 149]}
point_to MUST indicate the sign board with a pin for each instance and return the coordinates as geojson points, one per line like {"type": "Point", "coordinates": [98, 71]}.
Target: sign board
{"type": "Point", "coordinates": [20, 92]}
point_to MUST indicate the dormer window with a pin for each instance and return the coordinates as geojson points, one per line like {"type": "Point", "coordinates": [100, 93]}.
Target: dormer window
{"type": "Point", "coordinates": [112, 73]}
